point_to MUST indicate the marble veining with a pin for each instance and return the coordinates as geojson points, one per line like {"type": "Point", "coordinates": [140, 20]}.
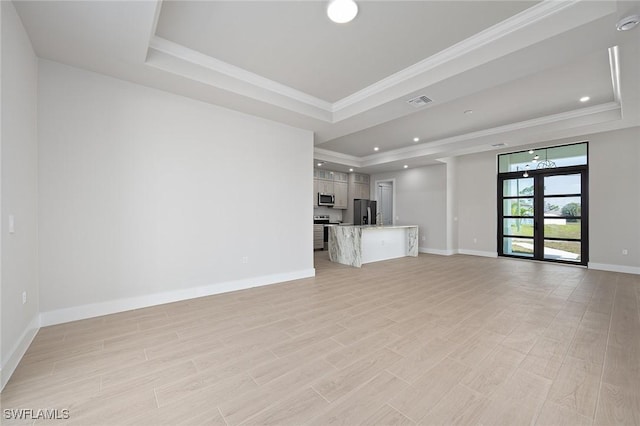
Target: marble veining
{"type": "Point", "coordinates": [348, 246]}
{"type": "Point", "coordinates": [345, 245]}
{"type": "Point", "coordinates": [412, 241]}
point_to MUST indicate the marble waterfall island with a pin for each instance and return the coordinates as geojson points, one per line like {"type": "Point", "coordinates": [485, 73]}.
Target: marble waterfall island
{"type": "Point", "coordinates": [359, 244]}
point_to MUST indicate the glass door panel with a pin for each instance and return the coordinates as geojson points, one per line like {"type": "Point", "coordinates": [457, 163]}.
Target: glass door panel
{"type": "Point", "coordinates": [562, 250]}
{"type": "Point", "coordinates": [517, 213]}
{"type": "Point", "coordinates": [562, 231]}
{"type": "Point", "coordinates": [541, 216]}
{"type": "Point", "coordinates": [563, 206]}
{"type": "Point", "coordinates": [518, 227]}
{"type": "Point", "coordinates": [562, 228]}
{"type": "Point", "coordinates": [517, 187]}
{"type": "Point", "coordinates": [563, 184]}
{"type": "Point", "coordinates": [518, 246]}
{"type": "Point", "coordinates": [518, 206]}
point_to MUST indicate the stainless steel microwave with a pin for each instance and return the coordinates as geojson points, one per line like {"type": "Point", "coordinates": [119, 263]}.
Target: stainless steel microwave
{"type": "Point", "coordinates": [326, 199]}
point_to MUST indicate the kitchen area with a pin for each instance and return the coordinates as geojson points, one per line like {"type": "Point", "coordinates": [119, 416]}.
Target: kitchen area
{"type": "Point", "coordinates": [333, 202]}
{"type": "Point", "coordinates": [347, 222]}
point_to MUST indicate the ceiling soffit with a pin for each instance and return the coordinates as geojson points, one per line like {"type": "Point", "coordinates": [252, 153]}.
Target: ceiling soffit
{"type": "Point", "coordinates": [542, 21]}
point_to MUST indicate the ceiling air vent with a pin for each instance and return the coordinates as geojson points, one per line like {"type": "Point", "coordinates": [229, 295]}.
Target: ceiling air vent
{"type": "Point", "coordinates": [419, 101]}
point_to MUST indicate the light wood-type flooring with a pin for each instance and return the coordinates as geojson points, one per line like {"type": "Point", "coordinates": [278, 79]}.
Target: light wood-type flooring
{"type": "Point", "coordinates": [431, 340]}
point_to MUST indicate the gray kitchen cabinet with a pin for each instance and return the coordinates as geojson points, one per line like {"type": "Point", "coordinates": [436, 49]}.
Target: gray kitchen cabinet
{"type": "Point", "coordinates": [325, 186]}
{"type": "Point", "coordinates": [345, 187]}
{"type": "Point", "coordinates": [318, 237]}
{"type": "Point", "coordinates": [358, 188]}
{"type": "Point", "coordinates": [341, 191]}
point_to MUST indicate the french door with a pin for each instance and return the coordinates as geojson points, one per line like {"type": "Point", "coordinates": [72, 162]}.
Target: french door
{"type": "Point", "coordinates": [544, 216]}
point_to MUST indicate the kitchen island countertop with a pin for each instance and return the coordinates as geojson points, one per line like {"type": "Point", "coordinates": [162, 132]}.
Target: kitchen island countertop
{"type": "Point", "coordinates": [355, 245]}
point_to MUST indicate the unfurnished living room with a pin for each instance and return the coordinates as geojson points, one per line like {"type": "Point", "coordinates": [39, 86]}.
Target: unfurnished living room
{"type": "Point", "coordinates": [471, 254]}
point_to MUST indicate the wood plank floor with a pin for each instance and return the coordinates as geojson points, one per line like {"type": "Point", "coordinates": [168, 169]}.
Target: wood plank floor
{"type": "Point", "coordinates": [430, 340]}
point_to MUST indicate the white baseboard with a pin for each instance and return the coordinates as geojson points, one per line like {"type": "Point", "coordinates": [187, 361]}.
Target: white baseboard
{"type": "Point", "coordinates": [478, 253]}
{"type": "Point", "coordinates": [120, 305]}
{"type": "Point", "coordinates": [18, 351]}
{"type": "Point", "coordinates": [614, 268]}
{"type": "Point", "coordinates": [436, 251]}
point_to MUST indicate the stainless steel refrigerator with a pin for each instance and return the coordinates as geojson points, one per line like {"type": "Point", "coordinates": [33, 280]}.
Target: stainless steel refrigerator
{"type": "Point", "coordinates": [364, 212]}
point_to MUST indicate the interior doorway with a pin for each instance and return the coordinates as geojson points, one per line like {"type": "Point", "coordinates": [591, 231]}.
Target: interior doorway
{"type": "Point", "coordinates": [386, 202]}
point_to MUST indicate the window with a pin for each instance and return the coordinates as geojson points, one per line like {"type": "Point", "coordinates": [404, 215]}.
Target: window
{"type": "Point", "coordinates": [542, 204]}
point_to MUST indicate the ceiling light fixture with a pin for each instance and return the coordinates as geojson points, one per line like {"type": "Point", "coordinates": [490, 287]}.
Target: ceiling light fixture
{"type": "Point", "coordinates": [376, 149]}
{"type": "Point", "coordinates": [406, 166]}
{"type": "Point", "coordinates": [530, 151]}
{"type": "Point", "coordinates": [628, 23]}
{"type": "Point", "coordinates": [468, 111]}
{"type": "Point", "coordinates": [342, 11]}
{"type": "Point", "coordinates": [546, 163]}
{"type": "Point", "coordinates": [320, 164]}
{"type": "Point", "coordinates": [416, 139]}
{"type": "Point", "coordinates": [584, 98]}
{"type": "Point", "coordinates": [350, 170]}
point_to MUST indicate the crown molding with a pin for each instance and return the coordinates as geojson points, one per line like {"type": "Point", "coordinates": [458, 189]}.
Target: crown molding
{"type": "Point", "coordinates": [196, 58]}
{"type": "Point", "coordinates": [369, 97]}
{"type": "Point", "coordinates": [336, 157]}
{"type": "Point", "coordinates": [517, 22]}
{"type": "Point", "coordinates": [403, 153]}
{"type": "Point", "coordinates": [431, 147]}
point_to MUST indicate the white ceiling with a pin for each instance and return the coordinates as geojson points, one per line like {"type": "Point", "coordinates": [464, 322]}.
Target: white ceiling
{"type": "Point", "coordinates": [295, 44]}
{"type": "Point", "coordinates": [520, 66]}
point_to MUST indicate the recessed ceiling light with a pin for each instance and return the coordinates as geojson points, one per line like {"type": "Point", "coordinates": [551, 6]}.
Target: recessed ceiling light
{"type": "Point", "coordinates": [406, 166]}
{"type": "Point", "coordinates": [584, 98]}
{"type": "Point", "coordinates": [342, 11]}
{"type": "Point", "coordinates": [625, 24]}
{"type": "Point", "coordinates": [319, 164]}
{"type": "Point", "coordinates": [416, 139]}
{"type": "Point", "coordinates": [468, 111]}
{"type": "Point", "coordinates": [376, 149]}
{"type": "Point", "coordinates": [530, 151]}
{"type": "Point", "coordinates": [350, 170]}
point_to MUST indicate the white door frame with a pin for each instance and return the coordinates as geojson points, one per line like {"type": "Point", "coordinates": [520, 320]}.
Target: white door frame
{"type": "Point", "coordinates": [393, 196]}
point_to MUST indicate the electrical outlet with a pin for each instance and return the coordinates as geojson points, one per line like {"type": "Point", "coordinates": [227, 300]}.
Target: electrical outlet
{"type": "Point", "coordinates": [12, 224]}
{"type": "Point", "coordinates": [475, 240]}
{"type": "Point", "coordinates": [424, 238]}
{"type": "Point", "coordinates": [24, 297]}
{"type": "Point", "coordinates": [625, 252]}
{"type": "Point", "coordinates": [245, 259]}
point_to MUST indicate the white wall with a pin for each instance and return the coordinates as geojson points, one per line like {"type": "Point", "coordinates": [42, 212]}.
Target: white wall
{"type": "Point", "coordinates": [19, 252]}
{"type": "Point", "coordinates": [421, 199]}
{"type": "Point", "coordinates": [147, 197]}
{"type": "Point", "coordinates": [477, 211]}
{"type": "Point", "coordinates": [614, 200]}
